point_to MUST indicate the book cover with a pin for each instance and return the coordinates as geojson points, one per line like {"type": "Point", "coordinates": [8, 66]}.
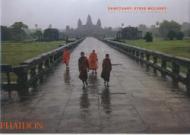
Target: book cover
{"type": "Point", "coordinates": [95, 66]}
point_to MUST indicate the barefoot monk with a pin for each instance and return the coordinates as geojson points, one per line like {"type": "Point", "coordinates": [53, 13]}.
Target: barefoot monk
{"type": "Point", "coordinates": [83, 68]}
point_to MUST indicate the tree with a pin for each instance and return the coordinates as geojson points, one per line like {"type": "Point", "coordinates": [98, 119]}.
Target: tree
{"type": "Point", "coordinates": [18, 31]}
{"type": "Point", "coordinates": [130, 33]}
{"type": "Point", "coordinates": [171, 35]}
{"type": "Point", "coordinates": [179, 35]}
{"type": "Point", "coordinates": [38, 35]}
{"type": "Point", "coordinates": [188, 33]}
{"type": "Point", "coordinates": [185, 28]}
{"type": "Point", "coordinates": [5, 33]}
{"type": "Point", "coordinates": [51, 34]}
{"type": "Point", "coordinates": [166, 27]}
{"type": "Point", "coordinates": [148, 37]}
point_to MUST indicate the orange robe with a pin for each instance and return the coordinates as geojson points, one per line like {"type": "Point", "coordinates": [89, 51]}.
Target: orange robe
{"type": "Point", "coordinates": [93, 61]}
{"type": "Point", "coordinates": [66, 57]}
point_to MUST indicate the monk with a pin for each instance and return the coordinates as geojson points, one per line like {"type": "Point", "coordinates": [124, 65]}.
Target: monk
{"type": "Point", "coordinates": [66, 57]}
{"type": "Point", "coordinates": [83, 66]}
{"type": "Point", "coordinates": [106, 69]}
{"type": "Point", "coordinates": [93, 62]}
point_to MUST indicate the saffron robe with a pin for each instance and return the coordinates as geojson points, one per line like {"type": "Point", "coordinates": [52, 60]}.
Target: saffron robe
{"type": "Point", "coordinates": [66, 56]}
{"type": "Point", "coordinates": [93, 61]}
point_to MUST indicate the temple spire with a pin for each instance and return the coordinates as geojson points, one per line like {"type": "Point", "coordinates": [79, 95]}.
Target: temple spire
{"type": "Point", "coordinates": [79, 23]}
{"type": "Point", "coordinates": [89, 20]}
{"type": "Point", "coordinates": [99, 23]}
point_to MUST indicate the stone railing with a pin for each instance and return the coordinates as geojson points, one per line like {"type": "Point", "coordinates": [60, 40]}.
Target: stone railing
{"type": "Point", "coordinates": [31, 72]}
{"type": "Point", "coordinates": [175, 67]}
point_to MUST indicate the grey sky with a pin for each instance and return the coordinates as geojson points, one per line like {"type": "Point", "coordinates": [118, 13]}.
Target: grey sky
{"type": "Point", "coordinates": [60, 13]}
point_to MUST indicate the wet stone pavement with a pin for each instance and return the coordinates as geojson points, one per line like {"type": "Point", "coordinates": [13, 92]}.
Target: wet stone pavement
{"type": "Point", "coordinates": [136, 101]}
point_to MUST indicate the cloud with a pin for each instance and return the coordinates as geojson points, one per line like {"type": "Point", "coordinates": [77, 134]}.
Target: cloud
{"type": "Point", "coordinates": [60, 13]}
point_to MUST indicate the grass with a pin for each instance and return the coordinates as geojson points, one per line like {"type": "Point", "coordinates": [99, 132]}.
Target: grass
{"type": "Point", "coordinates": [179, 48]}
{"type": "Point", "coordinates": [176, 47]}
{"type": "Point", "coordinates": [14, 53]}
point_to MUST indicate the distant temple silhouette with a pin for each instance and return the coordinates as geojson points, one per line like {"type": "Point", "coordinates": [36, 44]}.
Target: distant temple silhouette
{"type": "Point", "coordinates": [96, 30]}
{"type": "Point", "coordinates": [88, 29]}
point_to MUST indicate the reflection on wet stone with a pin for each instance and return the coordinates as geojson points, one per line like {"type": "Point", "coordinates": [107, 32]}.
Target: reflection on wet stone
{"type": "Point", "coordinates": [84, 101]}
{"type": "Point", "coordinates": [67, 76]}
{"type": "Point", "coordinates": [106, 101]}
{"type": "Point", "coordinates": [92, 79]}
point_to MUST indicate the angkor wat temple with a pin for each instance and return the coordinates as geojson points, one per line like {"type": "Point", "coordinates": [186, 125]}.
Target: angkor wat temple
{"type": "Point", "coordinates": [88, 29]}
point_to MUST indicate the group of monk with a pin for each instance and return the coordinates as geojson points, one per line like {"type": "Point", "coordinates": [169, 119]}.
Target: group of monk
{"type": "Point", "coordinates": [85, 64]}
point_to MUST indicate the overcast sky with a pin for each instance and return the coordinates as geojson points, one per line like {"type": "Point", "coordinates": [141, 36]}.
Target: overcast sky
{"type": "Point", "coordinates": [60, 13]}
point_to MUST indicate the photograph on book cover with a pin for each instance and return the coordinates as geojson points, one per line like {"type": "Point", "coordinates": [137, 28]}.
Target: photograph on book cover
{"type": "Point", "coordinates": [95, 66]}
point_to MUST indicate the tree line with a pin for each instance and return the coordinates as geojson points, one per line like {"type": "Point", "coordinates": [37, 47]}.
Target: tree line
{"type": "Point", "coordinates": [20, 32]}
{"type": "Point", "coordinates": [168, 30]}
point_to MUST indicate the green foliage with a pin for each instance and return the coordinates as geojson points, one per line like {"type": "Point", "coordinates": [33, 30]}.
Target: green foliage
{"type": "Point", "coordinates": [18, 31]}
{"type": "Point", "coordinates": [38, 35]}
{"type": "Point", "coordinates": [130, 33]}
{"type": "Point", "coordinates": [51, 34]}
{"type": "Point", "coordinates": [179, 35]}
{"type": "Point", "coordinates": [187, 33]}
{"type": "Point", "coordinates": [5, 33]}
{"type": "Point", "coordinates": [16, 52]}
{"type": "Point", "coordinates": [148, 37]}
{"type": "Point", "coordinates": [185, 28]}
{"type": "Point", "coordinates": [171, 35]}
{"type": "Point", "coordinates": [173, 47]}
{"type": "Point", "coordinates": [19, 25]}
{"type": "Point", "coordinates": [167, 26]}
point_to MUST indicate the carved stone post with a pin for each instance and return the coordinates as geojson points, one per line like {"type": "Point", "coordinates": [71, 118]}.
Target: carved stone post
{"type": "Point", "coordinates": [137, 56]}
{"type": "Point", "coordinates": [56, 60]}
{"type": "Point", "coordinates": [163, 66]}
{"type": "Point", "coordinates": [141, 58]}
{"type": "Point", "coordinates": [188, 82]}
{"type": "Point", "coordinates": [8, 82]}
{"type": "Point", "coordinates": [33, 76]}
{"type": "Point", "coordinates": [22, 80]}
{"type": "Point", "coordinates": [155, 60]}
{"type": "Point", "coordinates": [133, 53]}
{"type": "Point", "coordinates": [175, 70]}
{"type": "Point", "coordinates": [51, 61]}
{"type": "Point", "coordinates": [40, 71]}
{"type": "Point", "coordinates": [47, 65]}
{"type": "Point", "coordinates": [147, 60]}
{"type": "Point", "coordinates": [129, 52]}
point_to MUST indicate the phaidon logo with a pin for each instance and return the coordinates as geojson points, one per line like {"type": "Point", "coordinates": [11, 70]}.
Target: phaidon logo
{"type": "Point", "coordinates": [21, 125]}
